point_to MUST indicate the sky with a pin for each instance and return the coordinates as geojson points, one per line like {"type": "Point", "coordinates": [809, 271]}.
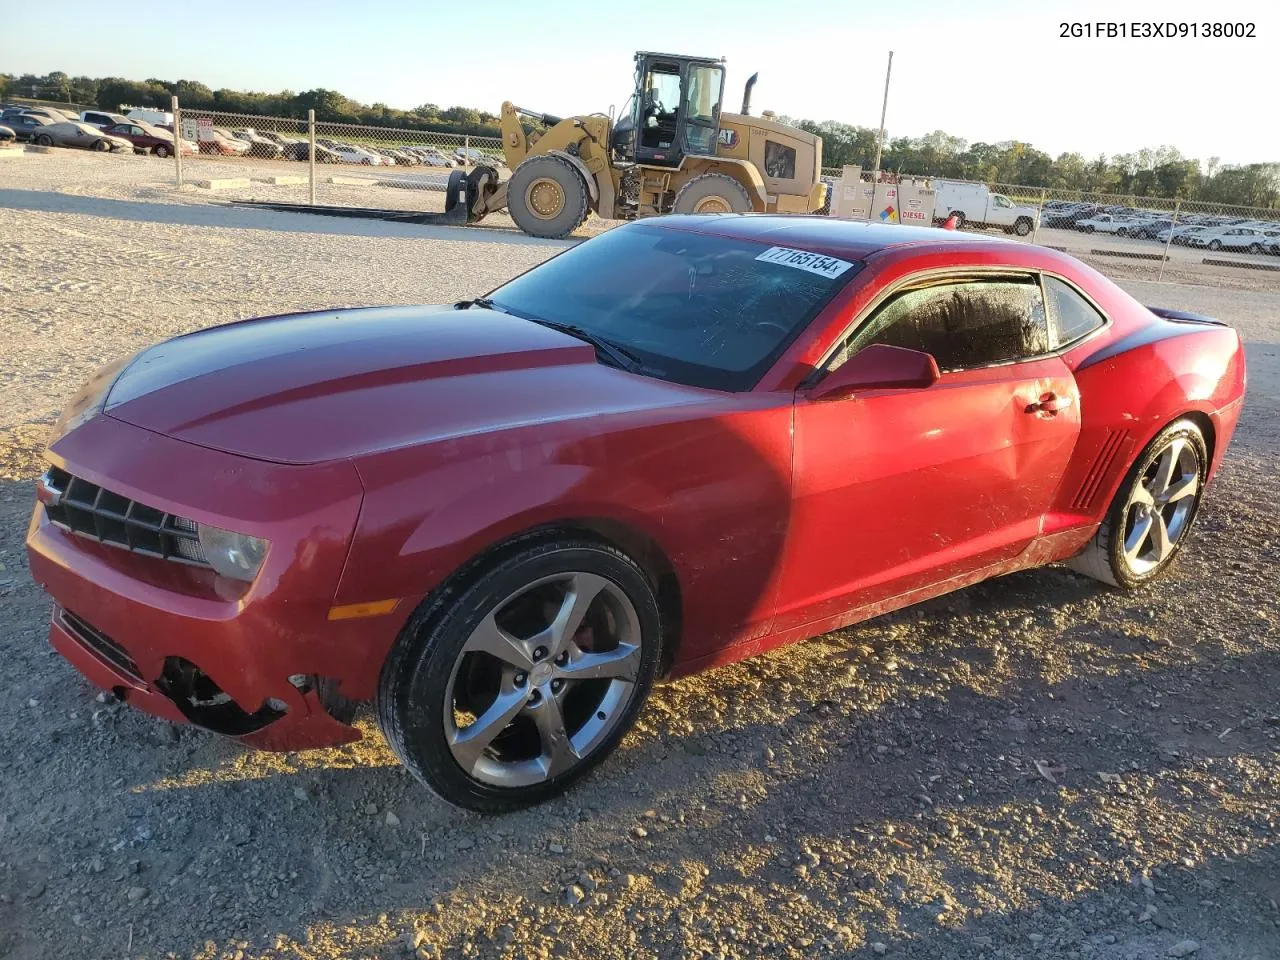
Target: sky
{"type": "Point", "coordinates": [984, 70]}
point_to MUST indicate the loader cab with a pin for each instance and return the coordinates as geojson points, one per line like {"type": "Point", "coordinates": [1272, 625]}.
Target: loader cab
{"type": "Point", "coordinates": [675, 111]}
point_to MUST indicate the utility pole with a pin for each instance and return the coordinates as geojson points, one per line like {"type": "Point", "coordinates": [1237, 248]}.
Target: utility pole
{"type": "Point", "coordinates": [875, 173]}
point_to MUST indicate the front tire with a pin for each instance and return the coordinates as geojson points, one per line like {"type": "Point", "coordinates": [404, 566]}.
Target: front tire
{"type": "Point", "coordinates": [508, 686]}
{"type": "Point", "coordinates": [161, 151]}
{"type": "Point", "coordinates": [44, 140]}
{"type": "Point", "coordinates": [547, 197]}
{"type": "Point", "coordinates": [1151, 516]}
{"type": "Point", "coordinates": [711, 193]}
{"type": "Point", "coordinates": [1215, 245]}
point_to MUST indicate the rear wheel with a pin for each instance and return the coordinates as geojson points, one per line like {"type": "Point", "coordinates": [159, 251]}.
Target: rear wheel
{"type": "Point", "coordinates": [547, 197]}
{"type": "Point", "coordinates": [1022, 227]}
{"type": "Point", "coordinates": [712, 193]}
{"type": "Point", "coordinates": [1215, 244]}
{"type": "Point", "coordinates": [1255, 248]}
{"type": "Point", "coordinates": [507, 688]}
{"type": "Point", "coordinates": [161, 151]}
{"type": "Point", "coordinates": [1151, 516]}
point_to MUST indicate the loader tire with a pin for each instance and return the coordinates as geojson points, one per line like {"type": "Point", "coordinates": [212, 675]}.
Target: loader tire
{"type": "Point", "coordinates": [712, 193]}
{"type": "Point", "coordinates": [547, 197]}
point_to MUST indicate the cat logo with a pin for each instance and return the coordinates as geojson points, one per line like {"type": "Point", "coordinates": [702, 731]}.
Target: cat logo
{"type": "Point", "coordinates": [728, 138]}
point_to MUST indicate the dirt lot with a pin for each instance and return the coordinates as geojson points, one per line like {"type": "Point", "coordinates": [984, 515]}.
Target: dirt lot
{"type": "Point", "coordinates": [1034, 767]}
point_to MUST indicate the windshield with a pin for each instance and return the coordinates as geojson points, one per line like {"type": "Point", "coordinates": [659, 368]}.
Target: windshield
{"type": "Point", "coordinates": [703, 310]}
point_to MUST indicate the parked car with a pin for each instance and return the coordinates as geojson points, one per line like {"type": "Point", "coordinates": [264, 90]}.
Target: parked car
{"type": "Point", "coordinates": [53, 113]}
{"type": "Point", "coordinates": [219, 144]}
{"type": "Point", "coordinates": [1179, 234]}
{"type": "Point", "coordinates": [1230, 238]}
{"type": "Point", "coordinates": [250, 526]}
{"type": "Point", "coordinates": [1068, 216]}
{"type": "Point", "coordinates": [102, 120]}
{"type": "Point", "coordinates": [259, 146]}
{"type": "Point", "coordinates": [300, 150]}
{"type": "Point", "coordinates": [400, 157]}
{"type": "Point", "coordinates": [26, 126]}
{"type": "Point", "coordinates": [434, 158]}
{"type": "Point", "coordinates": [277, 138]}
{"type": "Point", "coordinates": [1144, 229]}
{"type": "Point", "coordinates": [148, 139]}
{"type": "Point", "coordinates": [1103, 223]}
{"type": "Point", "coordinates": [350, 153]}
{"type": "Point", "coordinates": [470, 156]}
{"type": "Point", "coordinates": [82, 135]}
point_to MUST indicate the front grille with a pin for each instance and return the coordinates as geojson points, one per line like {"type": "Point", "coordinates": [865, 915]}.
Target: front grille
{"type": "Point", "coordinates": [99, 643]}
{"type": "Point", "coordinates": [84, 508]}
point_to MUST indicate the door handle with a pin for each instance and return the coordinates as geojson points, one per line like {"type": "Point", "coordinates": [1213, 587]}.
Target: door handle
{"type": "Point", "coordinates": [1049, 403]}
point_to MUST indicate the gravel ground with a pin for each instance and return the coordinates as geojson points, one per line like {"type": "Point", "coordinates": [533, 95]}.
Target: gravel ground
{"type": "Point", "coordinates": [1034, 767]}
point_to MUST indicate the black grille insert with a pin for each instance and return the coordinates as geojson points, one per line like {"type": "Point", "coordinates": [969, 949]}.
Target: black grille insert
{"type": "Point", "coordinates": [99, 643]}
{"type": "Point", "coordinates": [84, 508]}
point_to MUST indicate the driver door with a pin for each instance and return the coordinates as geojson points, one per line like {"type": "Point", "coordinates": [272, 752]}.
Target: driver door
{"type": "Point", "coordinates": [899, 489]}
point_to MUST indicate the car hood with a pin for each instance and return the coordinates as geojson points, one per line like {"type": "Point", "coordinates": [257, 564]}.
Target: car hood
{"type": "Point", "coordinates": [310, 387]}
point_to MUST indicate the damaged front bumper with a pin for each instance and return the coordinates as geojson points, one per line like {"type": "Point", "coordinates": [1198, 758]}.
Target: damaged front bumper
{"type": "Point", "coordinates": [260, 662]}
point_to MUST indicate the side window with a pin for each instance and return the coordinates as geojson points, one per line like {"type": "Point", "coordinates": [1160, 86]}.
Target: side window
{"type": "Point", "coordinates": [1070, 315]}
{"type": "Point", "coordinates": [779, 160]}
{"type": "Point", "coordinates": [969, 323]}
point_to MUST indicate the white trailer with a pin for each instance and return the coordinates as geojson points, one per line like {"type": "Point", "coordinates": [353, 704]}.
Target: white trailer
{"type": "Point", "coordinates": [977, 206]}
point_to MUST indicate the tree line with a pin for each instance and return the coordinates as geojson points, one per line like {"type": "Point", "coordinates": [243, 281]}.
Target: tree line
{"type": "Point", "coordinates": [1158, 172]}
{"type": "Point", "coordinates": [1154, 172]}
{"type": "Point", "coordinates": [108, 93]}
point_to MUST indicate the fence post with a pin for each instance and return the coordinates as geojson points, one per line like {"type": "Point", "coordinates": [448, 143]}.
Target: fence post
{"type": "Point", "coordinates": [466, 149]}
{"type": "Point", "coordinates": [311, 154]}
{"type": "Point", "coordinates": [177, 137]}
{"type": "Point", "coordinates": [1177, 205]}
{"type": "Point", "coordinates": [1044, 196]}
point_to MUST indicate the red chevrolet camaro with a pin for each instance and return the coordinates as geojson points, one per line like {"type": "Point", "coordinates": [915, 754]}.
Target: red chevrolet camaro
{"type": "Point", "coordinates": [678, 444]}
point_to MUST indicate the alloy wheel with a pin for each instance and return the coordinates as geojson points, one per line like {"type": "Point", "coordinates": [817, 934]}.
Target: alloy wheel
{"type": "Point", "coordinates": [543, 679]}
{"type": "Point", "coordinates": [1160, 506]}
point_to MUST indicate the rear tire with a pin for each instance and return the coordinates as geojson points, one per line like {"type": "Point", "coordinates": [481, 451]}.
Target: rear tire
{"type": "Point", "coordinates": [712, 193]}
{"type": "Point", "coordinates": [1215, 245]}
{"type": "Point", "coordinates": [498, 647]}
{"type": "Point", "coordinates": [1255, 248]}
{"type": "Point", "coordinates": [1022, 227]}
{"type": "Point", "coordinates": [1121, 553]}
{"type": "Point", "coordinates": [547, 197]}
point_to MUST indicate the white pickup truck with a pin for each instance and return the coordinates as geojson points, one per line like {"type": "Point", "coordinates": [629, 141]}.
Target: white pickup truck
{"type": "Point", "coordinates": [976, 205]}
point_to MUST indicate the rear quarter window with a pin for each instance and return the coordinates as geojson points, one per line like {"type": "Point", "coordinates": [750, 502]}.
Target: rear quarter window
{"type": "Point", "coordinates": [1071, 316]}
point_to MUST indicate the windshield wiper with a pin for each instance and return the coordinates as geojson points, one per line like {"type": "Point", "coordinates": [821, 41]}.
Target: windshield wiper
{"type": "Point", "coordinates": [618, 355]}
{"type": "Point", "coordinates": [484, 303]}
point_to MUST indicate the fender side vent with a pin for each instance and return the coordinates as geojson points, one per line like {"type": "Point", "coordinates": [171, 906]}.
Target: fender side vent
{"type": "Point", "coordinates": [1098, 471]}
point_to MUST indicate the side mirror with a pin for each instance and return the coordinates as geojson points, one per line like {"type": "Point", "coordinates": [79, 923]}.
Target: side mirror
{"type": "Point", "coordinates": [877, 367]}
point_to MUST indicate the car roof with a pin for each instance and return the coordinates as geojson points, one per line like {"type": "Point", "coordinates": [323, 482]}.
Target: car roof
{"type": "Point", "coordinates": [839, 238]}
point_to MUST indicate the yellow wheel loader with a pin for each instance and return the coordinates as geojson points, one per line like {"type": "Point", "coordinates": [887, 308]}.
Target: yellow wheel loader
{"type": "Point", "coordinates": [672, 151]}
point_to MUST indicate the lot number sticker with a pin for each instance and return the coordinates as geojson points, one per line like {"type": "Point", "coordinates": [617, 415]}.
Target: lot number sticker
{"type": "Point", "coordinates": [804, 260]}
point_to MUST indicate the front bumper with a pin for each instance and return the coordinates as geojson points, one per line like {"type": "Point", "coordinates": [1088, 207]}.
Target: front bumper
{"type": "Point", "coordinates": [183, 643]}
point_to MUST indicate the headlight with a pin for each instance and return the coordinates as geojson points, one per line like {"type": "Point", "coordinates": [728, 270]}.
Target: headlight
{"type": "Point", "coordinates": [231, 554]}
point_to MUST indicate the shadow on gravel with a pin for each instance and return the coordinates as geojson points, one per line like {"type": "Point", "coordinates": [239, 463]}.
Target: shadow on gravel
{"type": "Point", "coordinates": [911, 787]}
{"type": "Point", "coordinates": [223, 215]}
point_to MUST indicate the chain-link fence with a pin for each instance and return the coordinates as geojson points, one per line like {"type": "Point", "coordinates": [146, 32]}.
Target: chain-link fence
{"type": "Point", "coordinates": [1127, 236]}
{"type": "Point", "coordinates": [325, 163]}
